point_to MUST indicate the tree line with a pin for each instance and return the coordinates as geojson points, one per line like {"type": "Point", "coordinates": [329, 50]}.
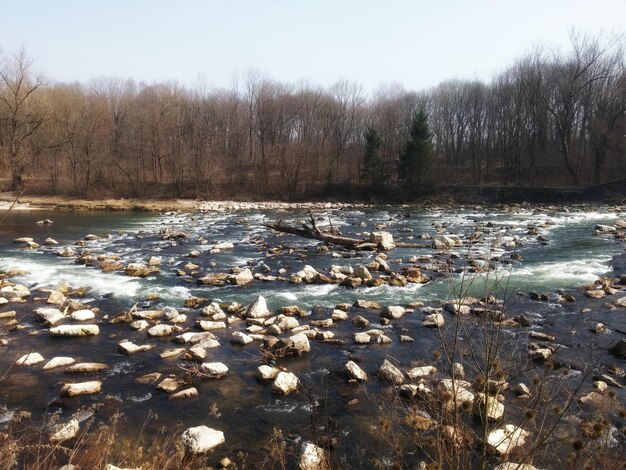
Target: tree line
{"type": "Point", "coordinates": [552, 118]}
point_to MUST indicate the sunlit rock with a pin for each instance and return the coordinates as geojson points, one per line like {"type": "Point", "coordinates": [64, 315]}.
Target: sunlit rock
{"type": "Point", "coordinates": [258, 309]}
{"type": "Point", "coordinates": [128, 347]}
{"type": "Point", "coordinates": [29, 359]}
{"type": "Point", "coordinates": [215, 369]}
{"type": "Point", "coordinates": [83, 315]}
{"type": "Point", "coordinates": [265, 372]}
{"type": "Point", "coordinates": [186, 393]}
{"type": "Point", "coordinates": [59, 361]}
{"type": "Point", "coordinates": [64, 432]}
{"type": "Point", "coordinates": [285, 383]}
{"type": "Point", "coordinates": [312, 457]}
{"type": "Point", "coordinates": [86, 367]}
{"type": "Point", "coordinates": [75, 330]}
{"type": "Point", "coordinates": [81, 388]}
{"type": "Point", "coordinates": [201, 439]}
{"type": "Point", "coordinates": [355, 372]}
{"type": "Point", "coordinates": [49, 315]}
{"type": "Point", "coordinates": [390, 373]}
{"type": "Point", "coordinates": [239, 337]}
{"type": "Point", "coordinates": [506, 439]}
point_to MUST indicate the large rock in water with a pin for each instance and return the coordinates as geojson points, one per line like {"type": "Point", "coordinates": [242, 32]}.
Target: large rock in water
{"type": "Point", "coordinates": [201, 439]}
{"type": "Point", "coordinates": [81, 388]}
{"type": "Point", "coordinates": [505, 439]}
{"type": "Point", "coordinates": [390, 373]}
{"type": "Point", "coordinates": [75, 330]}
{"type": "Point", "coordinates": [285, 383]}
{"type": "Point", "coordinates": [140, 270]}
{"type": "Point", "coordinates": [384, 240]}
{"type": "Point", "coordinates": [355, 372]}
{"type": "Point", "coordinates": [242, 278]}
{"type": "Point", "coordinates": [29, 359]}
{"type": "Point", "coordinates": [258, 308]}
{"type": "Point", "coordinates": [49, 315]}
{"type": "Point", "coordinates": [65, 431]}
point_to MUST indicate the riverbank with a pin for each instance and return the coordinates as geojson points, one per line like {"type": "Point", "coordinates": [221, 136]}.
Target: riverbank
{"type": "Point", "coordinates": [156, 205]}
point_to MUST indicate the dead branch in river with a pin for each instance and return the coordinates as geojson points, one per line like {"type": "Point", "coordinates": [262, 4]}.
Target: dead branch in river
{"type": "Point", "coordinates": [334, 237]}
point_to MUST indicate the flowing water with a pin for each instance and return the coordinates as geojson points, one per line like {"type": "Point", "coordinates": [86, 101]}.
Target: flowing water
{"type": "Point", "coordinates": [567, 256]}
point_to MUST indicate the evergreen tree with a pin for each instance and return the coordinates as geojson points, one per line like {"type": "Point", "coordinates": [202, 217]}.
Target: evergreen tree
{"type": "Point", "coordinates": [417, 157]}
{"type": "Point", "coordinates": [372, 166]}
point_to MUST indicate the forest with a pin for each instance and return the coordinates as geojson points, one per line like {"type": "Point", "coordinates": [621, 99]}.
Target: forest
{"type": "Point", "coordinates": [553, 118]}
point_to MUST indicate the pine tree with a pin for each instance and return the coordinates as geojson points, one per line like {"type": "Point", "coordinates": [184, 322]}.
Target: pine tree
{"type": "Point", "coordinates": [372, 166]}
{"type": "Point", "coordinates": [416, 159]}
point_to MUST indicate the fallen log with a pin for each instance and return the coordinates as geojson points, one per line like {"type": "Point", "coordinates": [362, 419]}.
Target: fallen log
{"type": "Point", "coordinates": [334, 237]}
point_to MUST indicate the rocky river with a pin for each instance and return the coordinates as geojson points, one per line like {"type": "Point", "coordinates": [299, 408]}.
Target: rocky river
{"type": "Point", "coordinates": [210, 318]}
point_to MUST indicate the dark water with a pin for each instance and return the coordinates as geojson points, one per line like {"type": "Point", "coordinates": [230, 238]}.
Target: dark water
{"type": "Point", "coordinates": [244, 409]}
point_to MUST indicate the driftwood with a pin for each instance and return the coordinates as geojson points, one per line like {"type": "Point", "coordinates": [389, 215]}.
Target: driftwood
{"type": "Point", "coordinates": [333, 236]}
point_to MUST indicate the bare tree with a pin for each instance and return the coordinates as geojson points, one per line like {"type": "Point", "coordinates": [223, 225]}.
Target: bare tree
{"type": "Point", "coordinates": [21, 116]}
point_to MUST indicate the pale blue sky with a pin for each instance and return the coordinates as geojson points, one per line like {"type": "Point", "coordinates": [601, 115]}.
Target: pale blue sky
{"type": "Point", "coordinates": [415, 43]}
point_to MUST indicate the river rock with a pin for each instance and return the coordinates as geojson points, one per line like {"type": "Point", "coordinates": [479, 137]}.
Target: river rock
{"type": "Point", "coordinates": [169, 384]}
{"type": "Point", "coordinates": [56, 298]}
{"type": "Point", "coordinates": [393, 312]}
{"type": "Point", "coordinates": [193, 338]}
{"type": "Point", "coordinates": [187, 393]}
{"type": "Point", "coordinates": [488, 406]}
{"type": "Point", "coordinates": [208, 325]}
{"type": "Point", "coordinates": [506, 439]}
{"type": "Point", "coordinates": [312, 457]}
{"type": "Point", "coordinates": [390, 373]}
{"type": "Point", "coordinates": [201, 439]}
{"type": "Point", "coordinates": [128, 347]}
{"type": "Point", "coordinates": [81, 388]}
{"type": "Point", "coordinates": [363, 273]}
{"type": "Point", "coordinates": [366, 304]}
{"type": "Point", "coordinates": [362, 338]}
{"type": "Point", "coordinates": [49, 315]}
{"type": "Point", "coordinates": [16, 291]}
{"type": "Point", "coordinates": [286, 323]}
{"type": "Point", "coordinates": [75, 330]}
{"type": "Point", "coordinates": [139, 325]}
{"type": "Point", "coordinates": [360, 322]}
{"type": "Point", "coordinates": [258, 309]}
{"type": "Point", "coordinates": [265, 372]}
{"type": "Point", "coordinates": [29, 359]}
{"type": "Point", "coordinates": [215, 369]}
{"type": "Point", "coordinates": [384, 240]}
{"type": "Point", "coordinates": [140, 270]}
{"type": "Point", "coordinates": [433, 320]}
{"type": "Point", "coordinates": [64, 432]}
{"type": "Point", "coordinates": [86, 367]}
{"type": "Point", "coordinates": [154, 261]}
{"type": "Point", "coordinates": [417, 373]}
{"type": "Point", "coordinates": [58, 361]}
{"type": "Point", "coordinates": [212, 310]}
{"type": "Point", "coordinates": [355, 372]}
{"type": "Point", "coordinates": [285, 383]}
{"type": "Point", "coordinates": [83, 315]}
{"type": "Point", "coordinates": [240, 338]}
{"type": "Point", "coordinates": [23, 240]}
{"type": "Point", "coordinates": [162, 330]}
{"type": "Point", "coordinates": [66, 252]}
{"type": "Point", "coordinates": [242, 278]}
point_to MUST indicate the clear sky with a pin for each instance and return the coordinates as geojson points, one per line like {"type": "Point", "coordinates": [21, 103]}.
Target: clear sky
{"type": "Point", "coordinates": [415, 43]}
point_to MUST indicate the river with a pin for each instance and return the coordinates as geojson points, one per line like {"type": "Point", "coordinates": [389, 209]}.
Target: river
{"type": "Point", "coordinates": [555, 248]}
